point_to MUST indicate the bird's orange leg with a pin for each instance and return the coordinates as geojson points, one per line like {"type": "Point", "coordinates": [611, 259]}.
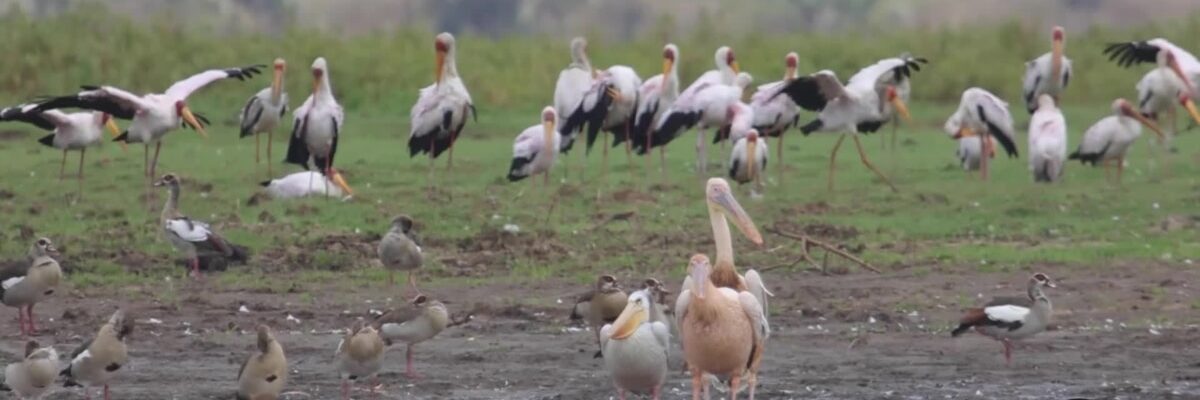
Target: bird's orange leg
{"type": "Point", "coordinates": [1120, 168]}
{"type": "Point", "coordinates": [984, 146]}
{"type": "Point", "coordinates": [257, 145]}
{"type": "Point", "coordinates": [779, 157]}
{"type": "Point", "coordinates": [863, 155]}
{"type": "Point", "coordinates": [270, 138]}
{"type": "Point", "coordinates": [80, 175]}
{"type": "Point", "coordinates": [697, 383]}
{"type": "Point", "coordinates": [833, 159]}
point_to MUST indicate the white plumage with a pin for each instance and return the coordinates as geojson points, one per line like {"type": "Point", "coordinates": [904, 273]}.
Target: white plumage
{"type": "Point", "coordinates": [749, 160]}
{"type": "Point", "coordinates": [1109, 138]}
{"type": "Point", "coordinates": [775, 114]}
{"type": "Point", "coordinates": [981, 119]}
{"type": "Point", "coordinates": [1040, 77]}
{"type": "Point", "coordinates": [303, 184]}
{"type": "Point", "coordinates": [1047, 141]}
{"type": "Point", "coordinates": [534, 149]}
{"type": "Point", "coordinates": [317, 123]}
{"type": "Point", "coordinates": [655, 97]}
{"type": "Point", "coordinates": [442, 108]}
{"type": "Point", "coordinates": [1007, 313]}
{"type": "Point", "coordinates": [574, 82]}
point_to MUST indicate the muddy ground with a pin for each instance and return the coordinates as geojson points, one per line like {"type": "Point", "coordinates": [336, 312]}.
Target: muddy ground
{"type": "Point", "coordinates": [1121, 331]}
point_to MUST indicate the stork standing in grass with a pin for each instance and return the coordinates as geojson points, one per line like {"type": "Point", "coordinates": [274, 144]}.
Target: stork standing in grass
{"type": "Point", "coordinates": [1048, 74]}
{"type": "Point", "coordinates": [441, 111]}
{"type": "Point", "coordinates": [75, 131]}
{"type": "Point", "coordinates": [774, 115]}
{"type": "Point", "coordinates": [1108, 140]}
{"type": "Point", "coordinates": [980, 118]}
{"type": "Point", "coordinates": [1047, 141]}
{"type": "Point", "coordinates": [1174, 79]}
{"type": "Point", "coordinates": [263, 112]}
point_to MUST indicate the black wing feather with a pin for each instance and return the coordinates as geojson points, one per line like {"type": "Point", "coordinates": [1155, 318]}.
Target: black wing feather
{"type": "Point", "coordinates": [33, 116]}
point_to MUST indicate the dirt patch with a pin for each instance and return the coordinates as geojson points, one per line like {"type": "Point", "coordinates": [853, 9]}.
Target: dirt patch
{"type": "Point", "coordinates": [628, 196]}
{"type": "Point", "coordinates": [854, 336]}
{"type": "Point", "coordinates": [6, 194]}
{"type": "Point", "coordinates": [814, 208]}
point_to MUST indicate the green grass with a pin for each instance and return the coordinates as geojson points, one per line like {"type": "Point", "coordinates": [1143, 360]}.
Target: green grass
{"type": "Point", "coordinates": [933, 220]}
{"type": "Point", "coordinates": [940, 217]}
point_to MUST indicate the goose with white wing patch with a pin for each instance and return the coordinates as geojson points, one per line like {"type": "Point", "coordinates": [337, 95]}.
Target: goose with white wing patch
{"type": "Point", "coordinates": [24, 284]}
{"type": "Point", "coordinates": [95, 362]}
{"type": "Point", "coordinates": [189, 236]}
{"type": "Point", "coordinates": [1011, 318]}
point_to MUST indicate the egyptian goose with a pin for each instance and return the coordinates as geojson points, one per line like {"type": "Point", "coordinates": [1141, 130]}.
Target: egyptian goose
{"type": "Point", "coordinates": [24, 284]}
{"type": "Point", "coordinates": [722, 330]}
{"type": "Point", "coordinates": [33, 375]}
{"type": "Point", "coordinates": [264, 374]}
{"type": "Point", "coordinates": [359, 354]}
{"type": "Point", "coordinates": [424, 320]}
{"type": "Point", "coordinates": [96, 361]}
{"type": "Point", "coordinates": [264, 110]}
{"type": "Point", "coordinates": [400, 249]}
{"type": "Point", "coordinates": [189, 236]}
{"type": "Point", "coordinates": [635, 347]}
{"type": "Point", "coordinates": [600, 306]}
{"type": "Point", "coordinates": [1011, 318]}
{"type": "Point", "coordinates": [659, 308]}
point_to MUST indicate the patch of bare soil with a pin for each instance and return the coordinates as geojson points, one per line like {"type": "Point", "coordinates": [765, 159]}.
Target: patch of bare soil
{"type": "Point", "coordinates": [1120, 331]}
{"type": "Point", "coordinates": [10, 134]}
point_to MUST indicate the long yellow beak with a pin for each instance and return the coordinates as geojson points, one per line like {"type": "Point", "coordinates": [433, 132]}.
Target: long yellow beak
{"type": "Point", "coordinates": [191, 120]}
{"type": "Point", "coordinates": [902, 109]}
{"type": "Point", "coordinates": [736, 69]}
{"type": "Point", "coordinates": [629, 321]}
{"type": "Point", "coordinates": [548, 130]}
{"type": "Point", "coordinates": [1187, 82]}
{"type": "Point", "coordinates": [115, 131]}
{"type": "Point", "coordinates": [441, 62]}
{"type": "Point", "coordinates": [963, 132]}
{"type": "Point", "coordinates": [277, 85]}
{"type": "Point", "coordinates": [1190, 105]}
{"type": "Point", "coordinates": [751, 147]}
{"type": "Point", "coordinates": [667, 65]}
{"type": "Point", "coordinates": [317, 84]}
{"type": "Point", "coordinates": [341, 183]}
{"type": "Point", "coordinates": [729, 206]}
{"type": "Point", "coordinates": [1150, 124]}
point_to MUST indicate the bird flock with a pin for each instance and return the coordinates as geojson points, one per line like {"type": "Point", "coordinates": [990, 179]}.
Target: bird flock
{"type": "Point", "coordinates": [719, 317]}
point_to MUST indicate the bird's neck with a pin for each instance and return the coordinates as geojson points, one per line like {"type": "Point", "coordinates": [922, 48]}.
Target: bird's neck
{"type": "Point", "coordinates": [449, 68]}
{"type": "Point", "coordinates": [171, 209]}
{"type": "Point", "coordinates": [721, 236]}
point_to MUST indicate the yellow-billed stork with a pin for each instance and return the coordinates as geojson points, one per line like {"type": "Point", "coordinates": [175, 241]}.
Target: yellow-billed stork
{"type": "Point", "coordinates": [441, 111]}
{"type": "Point", "coordinates": [870, 99]}
{"type": "Point", "coordinates": [154, 115]}
{"type": "Point", "coordinates": [980, 118]}
{"type": "Point", "coordinates": [536, 148]}
{"type": "Point", "coordinates": [1047, 74]}
{"type": "Point", "coordinates": [748, 161]}
{"type": "Point", "coordinates": [264, 110]}
{"type": "Point", "coordinates": [1047, 141]}
{"type": "Point", "coordinates": [317, 127]}
{"type": "Point", "coordinates": [75, 131]}
{"type": "Point", "coordinates": [774, 115]}
{"type": "Point", "coordinates": [1109, 139]}
{"type": "Point", "coordinates": [655, 97]}
{"type": "Point", "coordinates": [1175, 77]}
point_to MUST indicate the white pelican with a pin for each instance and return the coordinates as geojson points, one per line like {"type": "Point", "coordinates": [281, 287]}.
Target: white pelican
{"type": "Point", "coordinates": [317, 125]}
{"type": "Point", "coordinates": [308, 183]}
{"type": "Point", "coordinates": [723, 331]}
{"type": "Point", "coordinates": [535, 149]}
{"type": "Point", "coordinates": [574, 82]}
{"type": "Point", "coordinates": [153, 115]}
{"type": "Point", "coordinates": [981, 114]}
{"type": "Point", "coordinates": [635, 347]}
{"type": "Point", "coordinates": [1047, 141]}
{"type": "Point", "coordinates": [870, 99]}
{"type": "Point", "coordinates": [441, 110]}
{"type": "Point", "coordinates": [774, 115]}
{"type": "Point", "coordinates": [264, 110]}
{"type": "Point", "coordinates": [1048, 74]}
{"type": "Point", "coordinates": [75, 131]}
{"type": "Point", "coordinates": [709, 106]}
{"type": "Point", "coordinates": [748, 161]}
{"type": "Point", "coordinates": [1109, 138]}
{"type": "Point", "coordinates": [655, 97]}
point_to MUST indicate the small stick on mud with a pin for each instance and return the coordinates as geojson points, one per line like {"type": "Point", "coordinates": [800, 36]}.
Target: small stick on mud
{"type": "Point", "coordinates": [807, 241]}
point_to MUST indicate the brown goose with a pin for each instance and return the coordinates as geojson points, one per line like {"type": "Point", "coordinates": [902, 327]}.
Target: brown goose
{"type": "Point", "coordinates": [411, 325]}
{"type": "Point", "coordinates": [600, 306]}
{"type": "Point", "coordinates": [660, 310]}
{"type": "Point", "coordinates": [96, 361]}
{"type": "Point", "coordinates": [1011, 318]}
{"type": "Point", "coordinates": [32, 376]}
{"type": "Point", "coordinates": [24, 284]}
{"type": "Point", "coordinates": [189, 236]}
{"type": "Point", "coordinates": [263, 375]}
{"type": "Point", "coordinates": [359, 354]}
{"type": "Point", "coordinates": [400, 249]}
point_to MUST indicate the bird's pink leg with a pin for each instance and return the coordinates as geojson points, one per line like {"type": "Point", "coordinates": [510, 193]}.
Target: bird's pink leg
{"type": "Point", "coordinates": [21, 320]}
{"type": "Point", "coordinates": [779, 157]}
{"type": "Point", "coordinates": [80, 177]}
{"type": "Point", "coordinates": [196, 269]}
{"type": "Point", "coordinates": [409, 371]}
{"type": "Point", "coordinates": [106, 395]}
{"type": "Point", "coordinates": [154, 162]}
{"type": "Point", "coordinates": [29, 316]}
{"type": "Point", "coordinates": [270, 138]}
{"type": "Point", "coordinates": [87, 394]}
{"type": "Point", "coordinates": [734, 380]}
{"type": "Point", "coordinates": [62, 167]}
{"type": "Point", "coordinates": [656, 392]}
{"type": "Point", "coordinates": [1007, 352]}
{"type": "Point", "coordinates": [697, 383]}
{"type": "Point", "coordinates": [620, 393]}
{"type": "Point", "coordinates": [345, 389]}
{"type": "Point", "coordinates": [146, 161]}
{"type": "Point", "coordinates": [413, 282]}
{"type": "Point", "coordinates": [375, 387]}
{"type": "Point", "coordinates": [257, 145]}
